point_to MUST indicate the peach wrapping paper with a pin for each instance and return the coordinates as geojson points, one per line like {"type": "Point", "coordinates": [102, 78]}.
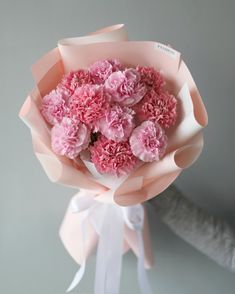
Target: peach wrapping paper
{"type": "Point", "coordinates": [150, 179]}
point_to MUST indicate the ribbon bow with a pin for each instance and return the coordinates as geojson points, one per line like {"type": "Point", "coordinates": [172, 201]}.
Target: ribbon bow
{"type": "Point", "coordinates": [116, 229]}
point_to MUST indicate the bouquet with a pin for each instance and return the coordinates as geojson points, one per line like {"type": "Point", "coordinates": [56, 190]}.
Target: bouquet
{"type": "Point", "coordinates": [119, 120]}
{"type": "Point", "coordinates": [113, 115]}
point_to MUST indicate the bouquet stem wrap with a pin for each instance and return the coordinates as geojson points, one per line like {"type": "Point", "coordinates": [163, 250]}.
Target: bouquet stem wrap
{"type": "Point", "coordinates": [113, 229]}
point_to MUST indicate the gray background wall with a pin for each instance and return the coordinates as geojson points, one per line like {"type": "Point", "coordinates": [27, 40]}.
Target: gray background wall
{"type": "Point", "coordinates": [32, 259]}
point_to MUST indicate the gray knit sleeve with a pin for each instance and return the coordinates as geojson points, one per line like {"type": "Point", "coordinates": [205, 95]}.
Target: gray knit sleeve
{"type": "Point", "coordinates": [205, 232]}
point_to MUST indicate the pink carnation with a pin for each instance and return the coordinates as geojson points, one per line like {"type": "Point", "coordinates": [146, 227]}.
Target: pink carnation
{"type": "Point", "coordinates": [158, 107]}
{"type": "Point", "coordinates": [125, 87]}
{"type": "Point", "coordinates": [117, 124]}
{"type": "Point", "coordinates": [66, 93]}
{"type": "Point", "coordinates": [102, 69]}
{"type": "Point", "coordinates": [88, 103]}
{"type": "Point", "coordinates": [148, 141]}
{"type": "Point", "coordinates": [151, 77]}
{"type": "Point", "coordinates": [110, 157]}
{"type": "Point", "coordinates": [69, 137]}
{"type": "Point", "coordinates": [75, 79]}
{"type": "Point", "coordinates": [53, 107]}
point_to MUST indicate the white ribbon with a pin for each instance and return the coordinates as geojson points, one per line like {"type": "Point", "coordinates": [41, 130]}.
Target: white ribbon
{"type": "Point", "coordinates": [134, 219]}
{"type": "Point", "coordinates": [82, 204]}
{"type": "Point", "coordinates": [79, 274]}
{"type": "Point", "coordinates": [109, 252]}
{"type": "Point", "coordinates": [109, 225]}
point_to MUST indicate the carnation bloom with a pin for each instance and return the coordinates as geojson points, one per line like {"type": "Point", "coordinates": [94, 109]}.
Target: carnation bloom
{"type": "Point", "coordinates": [66, 93]}
{"type": "Point", "coordinates": [158, 107]}
{"type": "Point", "coordinates": [88, 103]}
{"type": "Point", "coordinates": [102, 69]}
{"type": "Point", "coordinates": [69, 137]}
{"type": "Point", "coordinates": [148, 141]}
{"type": "Point", "coordinates": [110, 157]}
{"type": "Point", "coordinates": [117, 124]}
{"type": "Point", "coordinates": [125, 87]}
{"type": "Point", "coordinates": [53, 107]}
{"type": "Point", "coordinates": [75, 79]}
{"type": "Point", "coordinates": [151, 77]}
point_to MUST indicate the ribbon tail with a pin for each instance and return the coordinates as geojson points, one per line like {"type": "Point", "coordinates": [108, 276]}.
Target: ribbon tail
{"type": "Point", "coordinates": [109, 253]}
{"type": "Point", "coordinates": [134, 219]}
{"type": "Point", "coordinates": [142, 275]}
{"type": "Point", "coordinates": [77, 278]}
{"type": "Point", "coordinates": [79, 274]}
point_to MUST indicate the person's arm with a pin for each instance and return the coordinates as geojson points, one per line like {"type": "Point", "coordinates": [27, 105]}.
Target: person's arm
{"type": "Point", "coordinates": [210, 235]}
